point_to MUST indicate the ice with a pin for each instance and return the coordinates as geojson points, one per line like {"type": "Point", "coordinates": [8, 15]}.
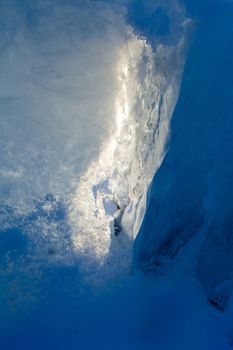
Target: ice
{"type": "Point", "coordinates": [188, 225]}
{"type": "Point", "coordinates": [95, 253]}
{"type": "Point", "coordinates": [86, 101]}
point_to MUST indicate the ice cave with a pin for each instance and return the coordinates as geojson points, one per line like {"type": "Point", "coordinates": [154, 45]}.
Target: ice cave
{"type": "Point", "coordinates": [116, 174]}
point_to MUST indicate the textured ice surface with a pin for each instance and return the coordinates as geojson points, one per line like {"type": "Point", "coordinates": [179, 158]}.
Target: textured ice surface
{"type": "Point", "coordinates": [88, 90]}
{"type": "Point", "coordinates": [86, 99]}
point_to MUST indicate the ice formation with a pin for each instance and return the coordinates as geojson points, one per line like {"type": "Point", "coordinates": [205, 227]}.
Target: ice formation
{"type": "Point", "coordinates": [84, 126]}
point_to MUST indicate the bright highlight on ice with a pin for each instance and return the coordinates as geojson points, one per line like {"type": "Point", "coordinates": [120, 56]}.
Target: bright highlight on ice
{"type": "Point", "coordinates": [90, 121]}
{"type": "Point", "coordinates": [109, 202]}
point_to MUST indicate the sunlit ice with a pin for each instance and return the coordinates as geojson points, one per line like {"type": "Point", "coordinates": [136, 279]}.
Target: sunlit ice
{"type": "Point", "coordinates": [89, 111]}
{"type": "Point", "coordinates": [115, 184]}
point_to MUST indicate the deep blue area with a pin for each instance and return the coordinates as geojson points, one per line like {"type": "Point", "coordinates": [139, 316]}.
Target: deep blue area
{"type": "Point", "coordinates": [13, 242]}
{"type": "Point", "coordinates": [194, 186]}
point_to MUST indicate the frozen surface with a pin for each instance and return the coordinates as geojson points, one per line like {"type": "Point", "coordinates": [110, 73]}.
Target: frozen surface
{"type": "Point", "coordinates": [188, 224]}
{"type": "Point", "coordinates": [86, 100]}
{"type": "Point", "coordinates": [88, 90]}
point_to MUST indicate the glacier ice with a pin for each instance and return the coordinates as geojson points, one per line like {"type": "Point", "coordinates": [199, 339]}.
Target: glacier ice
{"type": "Point", "coordinates": [188, 223]}
{"type": "Point", "coordinates": [86, 104]}
{"type": "Point", "coordinates": [88, 90]}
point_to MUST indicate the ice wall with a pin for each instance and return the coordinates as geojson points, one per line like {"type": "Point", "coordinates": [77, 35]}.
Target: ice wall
{"type": "Point", "coordinates": [188, 223]}
{"type": "Point", "coordinates": [57, 92]}
{"type": "Point", "coordinates": [88, 90]}
{"type": "Point", "coordinates": [149, 74]}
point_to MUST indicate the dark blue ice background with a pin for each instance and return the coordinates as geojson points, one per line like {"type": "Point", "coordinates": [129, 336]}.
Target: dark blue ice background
{"type": "Point", "coordinates": [192, 190]}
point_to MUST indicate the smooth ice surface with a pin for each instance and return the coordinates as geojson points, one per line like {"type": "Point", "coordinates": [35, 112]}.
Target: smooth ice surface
{"type": "Point", "coordinates": [188, 223]}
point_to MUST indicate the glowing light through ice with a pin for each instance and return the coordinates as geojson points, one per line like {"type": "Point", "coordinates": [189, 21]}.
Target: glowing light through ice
{"type": "Point", "coordinates": [93, 224]}
{"type": "Point", "coordinates": [88, 105]}
{"type": "Point", "coordinates": [127, 161]}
